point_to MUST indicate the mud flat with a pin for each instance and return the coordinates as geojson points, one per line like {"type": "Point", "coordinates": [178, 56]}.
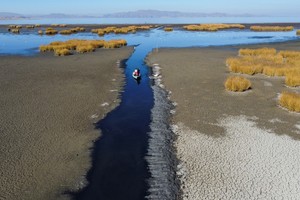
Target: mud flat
{"type": "Point", "coordinates": [48, 107]}
{"type": "Point", "coordinates": [230, 146]}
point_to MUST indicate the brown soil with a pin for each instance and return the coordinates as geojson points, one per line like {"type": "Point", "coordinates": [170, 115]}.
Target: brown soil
{"type": "Point", "coordinates": [48, 107]}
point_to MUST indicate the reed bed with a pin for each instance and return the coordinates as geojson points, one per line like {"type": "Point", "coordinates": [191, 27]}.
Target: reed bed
{"type": "Point", "coordinates": [290, 101]}
{"type": "Point", "coordinates": [168, 29]}
{"type": "Point", "coordinates": [30, 26]}
{"type": "Point", "coordinates": [272, 28]}
{"type": "Point", "coordinates": [15, 30]}
{"type": "Point", "coordinates": [237, 84]}
{"type": "Point", "coordinates": [212, 27]}
{"type": "Point", "coordinates": [269, 62]}
{"type": "Point", "coordinates": [51, 31]}
{"type": "Point", "coordinates": [80, 46]}
{"type": "Point", "coordinates": [119, 30]}
{"type": "Point", "coordinates": [14, 26]}
{"type": "Point", "coordinates": [72, 31]}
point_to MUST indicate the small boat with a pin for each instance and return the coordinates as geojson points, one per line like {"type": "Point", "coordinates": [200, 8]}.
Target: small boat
{"type": "Point", "coordinates": [136, 77]}
{"type": "Point", "coordinates": [136, 74]}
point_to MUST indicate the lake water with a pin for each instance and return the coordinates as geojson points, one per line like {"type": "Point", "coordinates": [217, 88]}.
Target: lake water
{"type": "Point", "coordinates": [27, 42]}
{"type": "Point", "coordinates": [154, 20]}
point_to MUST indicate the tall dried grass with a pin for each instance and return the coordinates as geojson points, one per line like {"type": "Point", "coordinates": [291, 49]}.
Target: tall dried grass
{"type": "Point", "coordinates": [298, 32]}
{"type": "Point", "coordinates": [269, 62]}
{"type": "Point", "coordinates": [272, 28]}
{"type": "Point", "coordinates": [81, 46]}
{"type": "Point", "coordinates": [237, 84]}
{"type": "Point", "coordinates": [30, 26]}
{"type": "Point", "coordinates": [168, 29]}
{"type": "Point", "coordinates": [212, 27]}
{"type": "Point", "coordinates": [290, 100]}
{"type": "Point", "coordinates": [119, 30]}
{"type": "Point", "coordinates": [62, 52]}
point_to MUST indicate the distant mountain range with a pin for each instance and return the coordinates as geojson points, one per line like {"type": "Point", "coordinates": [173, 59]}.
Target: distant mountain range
{"type": "Point", "coordinates": [157, 14]}
{"type": "Point", "coordinates": [131, 14]}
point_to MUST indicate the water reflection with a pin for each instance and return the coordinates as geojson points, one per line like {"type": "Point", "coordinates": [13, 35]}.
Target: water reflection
{"type": "Point", "coordinates": [27, 43]}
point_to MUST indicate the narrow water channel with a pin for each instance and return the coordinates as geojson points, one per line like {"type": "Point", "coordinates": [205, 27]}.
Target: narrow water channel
{"type": "Point", "coordinates": [119, 168]}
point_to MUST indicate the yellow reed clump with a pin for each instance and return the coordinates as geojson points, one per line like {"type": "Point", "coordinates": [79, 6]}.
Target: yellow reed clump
{"type": "Point", "coordinates": [15, 30]}
{"type": "Point", "coordinates": [50, 31]}
{"type": "Point", "coordinates": [272, 28]}
{"type": "Point", "coordinates": [290, 54]}
{"type": "Point", "coordinates": [266, 61]}
{"type": "Point", "coordinates": [30, 26]}
{"type": "Point", "coordinates": [37, 25]}
{"type": "Point", "coordinates": [40, 32]}
{"type": "Point", "coordinates": [237, 84]}
{"type": "Point", "coordinates": [298, 32]}
{"type": "Point", "coordinates": [119, 30]}
{"type": "Point", "coordinates": [212, 27]}
{"type": "Point", "coordinates": [81, 46]}
{"type": "Point", "coordinates": [293, 79]}
{"type": "Point", "coordinates": [168, 29]}
{"type": "Point", "coordinates": [290, 100]}
{"type": "Point", "coordinates": [257, 52]}
{"type": "Point", "coordinates": [62, 52]}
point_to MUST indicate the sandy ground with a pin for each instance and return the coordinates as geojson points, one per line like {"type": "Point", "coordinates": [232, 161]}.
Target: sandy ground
{"type": "Point", "coordinates": [231, 146]}
{"type": "Point", "coordinates": [48, 107]}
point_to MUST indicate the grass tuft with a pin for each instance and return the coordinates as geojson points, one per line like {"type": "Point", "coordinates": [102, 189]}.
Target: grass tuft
{"type": "Point", "coordinates": [62, 52]}
{"type": "Point", "coordinates": [237, 84]}
{"type": "Point", "coordinates": [212, 27]}
{"type": "Point", "coordinates": [290, 100]}
{"type": "Point", "coordinates": [272, 28]}
{"type": "Point", "coordinates": [80, 46]}
{"type": "Point", "coordinates": [168, 29]}
{"type": "Point", "coordinates": [268, 62]}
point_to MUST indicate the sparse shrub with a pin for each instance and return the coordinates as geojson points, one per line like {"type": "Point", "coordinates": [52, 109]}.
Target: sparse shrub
{"type": "Point", "coordinates": [272, 28]}
{"type": "Point", "coordinates": [168, 29]}
{"type": "Point", "coordinates": [290, 100]}
{"type": "Point", "coordinates": [237, 84]}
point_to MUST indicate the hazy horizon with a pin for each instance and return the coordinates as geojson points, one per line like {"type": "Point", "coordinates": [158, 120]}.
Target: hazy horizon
{"type": "Point", "coordinates": [93, 7]}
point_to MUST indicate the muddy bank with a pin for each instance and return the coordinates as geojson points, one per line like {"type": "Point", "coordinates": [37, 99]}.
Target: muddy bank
{"type": "Point", "coordinates": [228, 144]}
{"type": "Point", "coordinates": [48, 107]}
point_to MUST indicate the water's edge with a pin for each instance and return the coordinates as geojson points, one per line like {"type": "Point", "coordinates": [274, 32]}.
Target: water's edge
{"type": "Point", "coordinates": [161, 158]}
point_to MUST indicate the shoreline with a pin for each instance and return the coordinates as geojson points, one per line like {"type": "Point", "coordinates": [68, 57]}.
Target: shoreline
{"type": "Point", "coordinates": [208, 124]}
{"type": "Point", "coordinates": [49, 107]}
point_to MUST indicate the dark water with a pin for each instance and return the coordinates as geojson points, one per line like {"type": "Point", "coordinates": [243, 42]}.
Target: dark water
{"type": "Point", "coordinates": [119, 168]}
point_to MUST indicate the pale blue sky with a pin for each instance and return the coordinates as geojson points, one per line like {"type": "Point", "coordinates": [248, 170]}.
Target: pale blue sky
{"type": "Point", "coordinates": [257, 7]}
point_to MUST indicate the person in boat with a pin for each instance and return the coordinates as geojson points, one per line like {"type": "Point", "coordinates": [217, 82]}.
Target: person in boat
{"type": "Point", "coordinates": [136, 72]}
